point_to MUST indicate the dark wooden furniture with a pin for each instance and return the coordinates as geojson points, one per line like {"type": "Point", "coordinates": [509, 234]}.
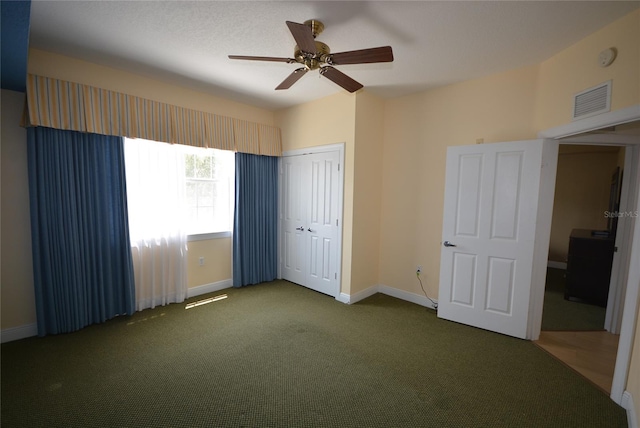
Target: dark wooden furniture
{"type": "Point", "coordinates": [589, 266]}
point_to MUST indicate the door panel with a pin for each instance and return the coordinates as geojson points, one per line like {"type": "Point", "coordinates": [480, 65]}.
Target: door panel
{"type": "Point", "coordinates": [500, 285]}
{"type": "Point", "coordinates": [327, 253]}
{"type": "Point", "coordinates": [464, 277]}
{"type": "Point", "coordinates": [293, 264]}
{"type": "Point", "coordinates": [313, 256]}
{"type": "Point", "coordinates": [293, 212]}
{"type": "Point", "coordinates": [323, 229]}
{"type": "Point", "coordinates": [468, 206]}
{"type": "Point", "coordinates": [506, 190]}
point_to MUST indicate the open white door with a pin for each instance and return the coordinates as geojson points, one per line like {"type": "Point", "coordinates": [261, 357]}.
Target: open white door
{"type": "Point", "coordinates": [492, 252]}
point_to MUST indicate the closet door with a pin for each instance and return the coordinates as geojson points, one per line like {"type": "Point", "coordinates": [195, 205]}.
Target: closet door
{"type": "Point", "coordinates": [309, 220]}
{"type": "Point", "coordinates": [322, 220]}
{"type": "Point", "coordinates": [293, 216]}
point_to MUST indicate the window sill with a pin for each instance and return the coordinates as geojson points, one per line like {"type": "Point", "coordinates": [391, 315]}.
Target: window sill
{"type": "Point", "coordinates": [207, 236]}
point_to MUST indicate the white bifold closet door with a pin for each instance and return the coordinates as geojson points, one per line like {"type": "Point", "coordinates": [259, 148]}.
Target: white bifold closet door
{"type": "Point", "coordinates": [309, 223]}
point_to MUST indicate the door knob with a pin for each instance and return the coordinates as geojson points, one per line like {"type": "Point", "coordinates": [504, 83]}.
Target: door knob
{"type": "Point", "coordinates": [448, 244]}
{"type": "Point", "coordinates": [309, 229]}
{"type": "Point", "coordinates": [300, 228]}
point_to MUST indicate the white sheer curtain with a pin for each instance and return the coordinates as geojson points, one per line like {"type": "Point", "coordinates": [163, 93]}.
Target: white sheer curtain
{"type": "Point", "coordinates": [156, 202]}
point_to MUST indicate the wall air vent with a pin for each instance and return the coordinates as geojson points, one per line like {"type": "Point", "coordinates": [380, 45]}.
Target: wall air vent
{"type": "Point", "coordinates": [592, 101]}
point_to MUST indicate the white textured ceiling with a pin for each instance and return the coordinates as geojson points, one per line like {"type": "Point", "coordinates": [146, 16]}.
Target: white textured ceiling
{"type": "Point", "coordinates": [434, 43]}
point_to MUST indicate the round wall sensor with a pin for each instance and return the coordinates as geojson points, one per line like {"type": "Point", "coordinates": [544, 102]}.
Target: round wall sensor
{"type": "Point", "coordinates": [606, 57]}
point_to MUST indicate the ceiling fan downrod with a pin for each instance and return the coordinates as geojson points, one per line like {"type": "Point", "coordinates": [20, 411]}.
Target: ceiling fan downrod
{"type": "Point", "coordinates": [316, 26]}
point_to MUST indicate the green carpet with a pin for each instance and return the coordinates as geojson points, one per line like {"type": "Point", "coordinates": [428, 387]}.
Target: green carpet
{"type": "Point", "coordinates": [280, 355]}
{"type": "Point", "coordinates": [559, 314]}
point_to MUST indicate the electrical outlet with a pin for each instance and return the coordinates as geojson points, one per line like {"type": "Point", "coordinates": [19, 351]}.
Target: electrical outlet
{"type": "Point", "coordinates": [201, 261]}
{"type": "Point", "coordinates": [418, 269]}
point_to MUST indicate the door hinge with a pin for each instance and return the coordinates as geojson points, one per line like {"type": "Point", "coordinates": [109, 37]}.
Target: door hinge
{"type": "Point", "coordinates": [336, 222]}
{"type": "Point", "coordinates": [338, 167]}
{"type": "Point", "coordinates": [335, 276]}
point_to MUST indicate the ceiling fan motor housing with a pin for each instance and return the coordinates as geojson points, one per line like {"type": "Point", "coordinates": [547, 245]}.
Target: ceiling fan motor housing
{"type": "Point", "coordinates": [312, 60]}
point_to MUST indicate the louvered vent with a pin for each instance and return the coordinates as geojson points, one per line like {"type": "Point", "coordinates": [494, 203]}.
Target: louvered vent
{"type": "Point", "coordinates": [592, 101]}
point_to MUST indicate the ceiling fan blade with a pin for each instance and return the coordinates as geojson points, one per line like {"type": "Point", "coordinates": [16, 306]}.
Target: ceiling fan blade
{"type": "Point", "coordinates": [303, 36]}
{"type": "Point", "coordinates": [292, 78]}
{"type": "Point", "coordinates": [263, 58]}
{"type": "Point", "coordinates": [340, 79]}
{"type": "Point", "coordinates": [363, 56]}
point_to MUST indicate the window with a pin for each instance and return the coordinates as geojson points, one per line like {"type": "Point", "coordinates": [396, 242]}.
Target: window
{"type": "Point", "coordinates": [177, 187]}
{"type": "Point", "coordinates": [209, 179]}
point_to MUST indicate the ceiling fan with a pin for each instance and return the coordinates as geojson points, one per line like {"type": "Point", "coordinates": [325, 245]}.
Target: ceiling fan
{"type": "Point", "coordinates": [314, 55]}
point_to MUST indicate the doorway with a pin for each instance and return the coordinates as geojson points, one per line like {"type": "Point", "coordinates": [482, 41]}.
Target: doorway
{"type": "Point", "coordinates": [623, 130]}
{"type": "Point", "coordinates": [587, 195]}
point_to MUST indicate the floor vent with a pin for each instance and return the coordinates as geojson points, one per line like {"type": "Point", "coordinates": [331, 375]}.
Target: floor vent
{"type": "Point", "coordinates": [592, 101]}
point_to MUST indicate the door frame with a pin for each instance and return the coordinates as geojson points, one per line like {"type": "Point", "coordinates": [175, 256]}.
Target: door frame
{"type": "Point", "coordinates": [631, 301]}
{"type": "Point", "coordinates": [339, 147]}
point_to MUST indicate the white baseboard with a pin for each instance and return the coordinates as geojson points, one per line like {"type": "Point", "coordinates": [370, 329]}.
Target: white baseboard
{"type": "Point", "coordinates": [556, 265]}
{"type": "Point", "coordinates": [389, 291]}
{"type": "Point", "coordinates": [360, 295]}
{"type": "Point", "coordinates": [344, 298]}
{"type": "Point", "coordinates": [209, 288]}
{"type": "Point", "coordinates": [406, 295]}
{"type": "Point", "coordinates": [628, 404]}
{"type": "Point", "coordinates": [17, 333]}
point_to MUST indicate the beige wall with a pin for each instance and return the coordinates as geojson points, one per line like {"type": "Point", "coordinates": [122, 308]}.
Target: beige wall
{"type": "Point", "coordinates": [417, 130]}
{"type": "Point", "coordinates": [367, 196]}
{"type": "Point", "coordinates": [583, 185]}
{"type": "Point", "coordinates": [576, 69]}
{"type": "Point", "coordinates": [217, 261]}
{"type": "Point", "coordinates": [330, 120]}
{"type": "Point", "coordinates": [18, 301]}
